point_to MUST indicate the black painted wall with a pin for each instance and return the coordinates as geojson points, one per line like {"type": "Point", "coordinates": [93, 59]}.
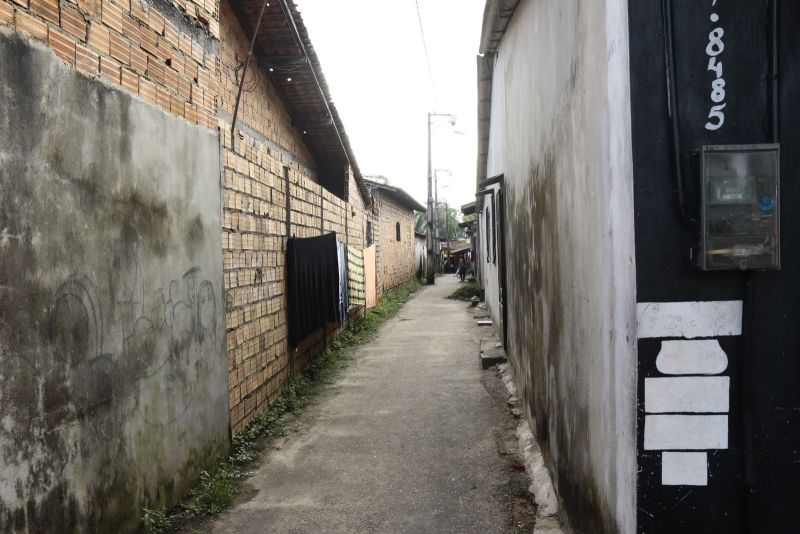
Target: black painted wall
{"type": "Point", "coordinates": [754, 485]}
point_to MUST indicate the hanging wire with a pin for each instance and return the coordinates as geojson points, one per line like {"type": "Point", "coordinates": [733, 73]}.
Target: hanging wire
{"type": "Point", "coordinates": [427, 56]}
{"type": "Point", "coordinates": [252, 81]}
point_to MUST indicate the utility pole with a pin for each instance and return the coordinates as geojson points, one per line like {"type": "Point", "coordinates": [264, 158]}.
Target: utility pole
{"type": "Point", "coordinates": [436, 221]}
{"type": "Point", "coordinates": [447, 228]}
{"type": "Point", "coordinates": [431, 265]}
{"type": "Point", "coordinates": [431, 272]}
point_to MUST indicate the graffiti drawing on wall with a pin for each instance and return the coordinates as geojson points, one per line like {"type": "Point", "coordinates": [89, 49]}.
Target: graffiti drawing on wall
{"type": "Point", "coordinates": [99, 356]}
{"type": "Point", "coordinates": [173, 319]}
{"type": "Point", "coordinates": [81, 374]}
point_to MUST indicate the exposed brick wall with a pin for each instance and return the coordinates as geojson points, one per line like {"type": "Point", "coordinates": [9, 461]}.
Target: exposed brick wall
{"type": "Point", "coordinates": [266, 146]}
{"type": "Point", "coordinates": [131, 44]}
{"type": "Point", "coordinates": [396, 261]}
{"type": "Point", "coordinates": [253, 227]}
{"type": "Point", "coordinates": [260, 108]}
{"type": "Point", "coordinates": [202, 12]}
{"type": "Point", "coordinates": [253, 238]}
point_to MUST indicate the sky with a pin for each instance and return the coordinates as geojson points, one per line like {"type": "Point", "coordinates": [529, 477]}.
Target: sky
{"type": "Point", "coordinates": [375, 65]}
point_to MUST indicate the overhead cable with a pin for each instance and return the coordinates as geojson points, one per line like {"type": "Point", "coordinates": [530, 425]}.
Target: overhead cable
{"type": "Point", "coordinates": [427, 56]}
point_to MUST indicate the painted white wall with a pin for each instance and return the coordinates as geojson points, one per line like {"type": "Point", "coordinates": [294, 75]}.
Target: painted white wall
{"type": "Point", "coordinates": [560, 133]}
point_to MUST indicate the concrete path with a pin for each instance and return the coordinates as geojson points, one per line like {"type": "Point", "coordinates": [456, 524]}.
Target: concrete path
{"type": "Point", "coordinates": [408, 440]}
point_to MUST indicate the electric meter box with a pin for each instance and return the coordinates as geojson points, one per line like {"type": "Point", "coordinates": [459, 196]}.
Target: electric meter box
{"type": "Point", "coordinates": [740, 207]}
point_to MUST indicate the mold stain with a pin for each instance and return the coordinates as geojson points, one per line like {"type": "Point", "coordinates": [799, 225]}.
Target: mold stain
{"type": "Point", "coordinates": [535, 272]}
{"type": "Point", "coordinates": [195, 235]}
{"type": "Point", "coordinates": [143, 223]}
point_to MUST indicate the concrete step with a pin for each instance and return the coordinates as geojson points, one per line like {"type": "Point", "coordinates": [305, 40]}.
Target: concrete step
{"type": "Point", "coordinates": [491, 352]}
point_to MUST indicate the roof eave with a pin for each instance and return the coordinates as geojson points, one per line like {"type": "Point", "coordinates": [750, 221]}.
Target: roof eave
{"type": "Point", "coordinates": [283, 44]}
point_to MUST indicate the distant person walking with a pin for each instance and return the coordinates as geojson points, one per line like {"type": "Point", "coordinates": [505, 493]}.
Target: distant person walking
{"type": "Point", "coordinates": [462, 270]}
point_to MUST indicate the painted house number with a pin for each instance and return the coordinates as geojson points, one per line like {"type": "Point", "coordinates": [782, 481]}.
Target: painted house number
{"type": "Point", "coordinates": [714, 48]}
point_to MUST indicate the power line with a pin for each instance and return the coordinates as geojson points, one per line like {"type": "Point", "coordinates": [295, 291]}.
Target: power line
{"type": "Point", "coordinates": [427, 57]}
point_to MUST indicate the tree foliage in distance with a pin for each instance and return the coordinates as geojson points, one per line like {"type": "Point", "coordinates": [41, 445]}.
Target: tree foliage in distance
{"type": "Point", "coordinates": [420, 222]}
{"type": "Point", "coordinates": [448, 226]}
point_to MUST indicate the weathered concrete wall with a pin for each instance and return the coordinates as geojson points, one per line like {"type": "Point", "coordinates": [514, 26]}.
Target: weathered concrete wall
{"type": "Point", "coordinates": [560, 132]}
{"type": "Point", "coordinates": [113, 381]}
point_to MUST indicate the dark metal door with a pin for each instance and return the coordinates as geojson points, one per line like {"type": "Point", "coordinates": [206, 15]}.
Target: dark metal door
{"type": "Point", "coordinates": [500, 211]}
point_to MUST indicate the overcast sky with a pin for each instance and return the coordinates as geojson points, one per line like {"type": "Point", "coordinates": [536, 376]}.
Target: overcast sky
{"type": "Point", "coordinates": [373, 59]}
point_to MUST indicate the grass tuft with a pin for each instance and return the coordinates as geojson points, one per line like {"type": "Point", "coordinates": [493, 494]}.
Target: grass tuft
{"type": "Point", "coordinates": [466, 292]}
{"type": "Point", "coordinates": [215, 490]}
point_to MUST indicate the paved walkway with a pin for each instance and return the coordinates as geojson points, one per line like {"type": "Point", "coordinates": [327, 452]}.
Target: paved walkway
{"type": "Point", "coordinates": [406, 441]}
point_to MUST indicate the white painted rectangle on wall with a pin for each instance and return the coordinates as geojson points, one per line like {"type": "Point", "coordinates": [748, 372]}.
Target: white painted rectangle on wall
{"type": "Point", "coordinates": [691, 357]}
{"type": "Point", "coordinates": [685, 432]}
{"type": "Point", "coordinates": [684, 469]}
{"type": "Point", "coordinates": [689, 319]}
{"type": "Point", "coordinates": [693, 394]}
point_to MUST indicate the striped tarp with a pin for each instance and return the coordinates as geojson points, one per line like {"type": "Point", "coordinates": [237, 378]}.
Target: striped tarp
{"type": "Point", "coordinates": [355, 277]}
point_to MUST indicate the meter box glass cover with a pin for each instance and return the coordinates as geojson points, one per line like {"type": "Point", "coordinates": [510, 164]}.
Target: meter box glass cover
{"type": "Point", "coordinates": [741, 207]}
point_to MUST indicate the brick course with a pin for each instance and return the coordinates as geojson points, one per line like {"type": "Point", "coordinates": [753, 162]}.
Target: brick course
{"type": "Point", "coordinates": [106, 37]}
{"type": "Point", "coordinates": [6, 14]}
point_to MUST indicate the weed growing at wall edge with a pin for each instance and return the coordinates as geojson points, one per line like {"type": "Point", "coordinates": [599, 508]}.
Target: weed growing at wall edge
{"type": "Point", "coordinates": [215, 490]}
{"type": "Point", "coordinates": [466, 292]}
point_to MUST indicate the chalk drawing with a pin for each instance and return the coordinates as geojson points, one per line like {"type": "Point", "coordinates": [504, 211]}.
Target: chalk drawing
{"type": "Point", "coordinates": [75, 324]}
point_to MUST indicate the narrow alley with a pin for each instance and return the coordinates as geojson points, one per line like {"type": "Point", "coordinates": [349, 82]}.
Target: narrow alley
{"type": "Point", "coordinates": [407, 440]}
{"type": "Point", "coordinates": [209, 207]}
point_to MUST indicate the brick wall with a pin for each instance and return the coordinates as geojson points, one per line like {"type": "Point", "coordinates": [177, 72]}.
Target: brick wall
{"type": "Point", "coordinates": [149, 51]}
{"type": "Point", "coordinates": [266, 155]}
{"type": "Point", "coordinates": [395, 259]}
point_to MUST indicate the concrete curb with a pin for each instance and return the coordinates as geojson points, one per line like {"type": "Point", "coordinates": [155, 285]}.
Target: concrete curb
{"type": "Point", "coordinates": [547, 520]}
